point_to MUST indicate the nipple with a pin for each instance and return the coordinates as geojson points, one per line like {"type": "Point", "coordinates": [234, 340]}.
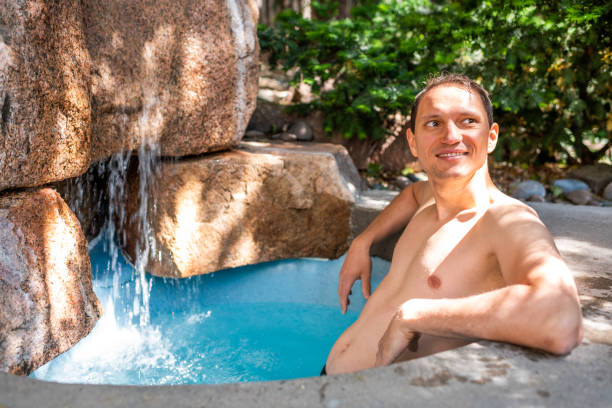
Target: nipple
{"type": "Point", "coordinates": [434, 282]}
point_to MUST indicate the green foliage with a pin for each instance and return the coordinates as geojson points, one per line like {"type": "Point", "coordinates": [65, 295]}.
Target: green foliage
{"type": "Point", "coordinates": [547, 65]}
{"type": "Point", "coordinates": [374, 169]}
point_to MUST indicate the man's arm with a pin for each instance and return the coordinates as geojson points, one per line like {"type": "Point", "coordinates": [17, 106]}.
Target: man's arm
{"type": "Point", "coordinates": [539, 308]}
{"type": "Point", "coordinates": [357, 264]}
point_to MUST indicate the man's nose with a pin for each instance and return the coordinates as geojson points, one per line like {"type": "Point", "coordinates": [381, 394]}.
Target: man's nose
{"type": "Point", "coordinates": [452, 133]}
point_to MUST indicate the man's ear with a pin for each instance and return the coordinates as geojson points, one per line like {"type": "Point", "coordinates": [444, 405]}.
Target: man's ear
{"type": "Point", "coordinates": [411, 142]}
{"type": "Point", "coordinates": [493, 137]}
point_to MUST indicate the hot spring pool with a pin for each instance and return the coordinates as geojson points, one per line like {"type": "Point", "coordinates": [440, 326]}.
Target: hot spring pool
{"type": "Point", "coordinates": [272, 321]}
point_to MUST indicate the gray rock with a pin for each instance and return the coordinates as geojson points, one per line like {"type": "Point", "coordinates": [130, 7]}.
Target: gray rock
{"type": "Point", "coordinates": [537, 199]}
{"type": "Point", "coordinates": [528, 189]}
{"type": "Point", "coordinates": [254, 134]}
{"type": "Point", "coordinates": [568, 185]}
{"type": "Point", "coordinates": [302, 130]}
{"type": "Point", "coordinates": [607, 193]}
{"type": "Point", "coordinates": [579, 197]}
{"type": "Point", "coordinates": [596, 175]}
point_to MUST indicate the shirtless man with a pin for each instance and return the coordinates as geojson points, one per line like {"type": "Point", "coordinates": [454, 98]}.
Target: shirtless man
{"type": "Point", "coordinates": [472, 263]}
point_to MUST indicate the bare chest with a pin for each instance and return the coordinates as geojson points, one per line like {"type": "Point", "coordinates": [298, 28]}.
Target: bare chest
{"type": "Point", "coordinates": [450, 259]}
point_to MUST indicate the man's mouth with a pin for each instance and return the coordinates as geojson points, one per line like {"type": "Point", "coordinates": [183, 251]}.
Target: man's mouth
{"type": "Point", "coordinates": [452, 154]}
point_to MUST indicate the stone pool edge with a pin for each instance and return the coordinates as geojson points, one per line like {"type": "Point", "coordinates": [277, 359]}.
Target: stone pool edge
{"type": "Point", "coordinates": [481, 374]}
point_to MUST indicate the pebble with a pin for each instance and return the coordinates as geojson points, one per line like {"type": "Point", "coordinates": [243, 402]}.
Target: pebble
{"type": "Point", "coordinates": [302, 131]}
{"type": "Point", "coordinates": [527, 189]}
{"type": "Point", "coordinates": [607, 193]}
{"type": "Point", "coordinates": [288, 137]}
{"type": "Point", "coordinates": [254, 134]}
{"type": "Point", "coordinates": [579, 197]}
{"type": "Point", "coordinates": [569, 185]}
{"type": "Point", "coordinates": [403, 181]}
{"type": "Point", "coordinates": [420, 176]}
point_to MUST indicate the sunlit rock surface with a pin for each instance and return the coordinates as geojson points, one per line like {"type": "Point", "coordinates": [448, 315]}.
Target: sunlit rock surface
{"type": "Point", "coordinates": [258, 203]}
{"type": "Point", "coordinates": [44, 93]}
{"type": "Point", "coordinates": [47, 302]}
{"type": "Point", "coordinates": [82, 80]}
{"type": "Point", "coordinates": [183, 73]}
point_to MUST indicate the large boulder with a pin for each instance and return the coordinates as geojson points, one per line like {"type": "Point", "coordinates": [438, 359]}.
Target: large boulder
{"type": "Point", "coordinates": [44, 92]}
{"type": "Point", "coordinates": [181, 73]}
{"type": "Point", "coordinates": [47, 303]}
{"type": "Point", "coordinates": [259, 203]}
{"type": "Point", "coordinates": [82, 80]}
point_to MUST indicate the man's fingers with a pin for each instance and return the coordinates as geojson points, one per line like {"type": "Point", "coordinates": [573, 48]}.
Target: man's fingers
{"type": "Point", "coordinates": [365, 286]}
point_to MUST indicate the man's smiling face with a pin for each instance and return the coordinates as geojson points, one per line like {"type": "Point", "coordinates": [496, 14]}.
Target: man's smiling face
{"type": "Point", "coordinates": [452, 136]}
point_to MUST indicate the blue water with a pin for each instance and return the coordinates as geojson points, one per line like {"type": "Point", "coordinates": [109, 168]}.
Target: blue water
{"type": "Point", "coordinates": [276, 320]}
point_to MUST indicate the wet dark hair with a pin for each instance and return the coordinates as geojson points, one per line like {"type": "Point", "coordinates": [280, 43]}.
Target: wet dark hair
{"type": "Point", "coordinates": [453, 79]}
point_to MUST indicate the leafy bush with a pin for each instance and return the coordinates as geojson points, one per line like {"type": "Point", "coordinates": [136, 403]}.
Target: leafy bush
{"type": "Point", "coordinates": [547, 65]}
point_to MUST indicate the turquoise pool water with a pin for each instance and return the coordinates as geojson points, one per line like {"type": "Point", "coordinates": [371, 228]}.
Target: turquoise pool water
{"type": "Point", "coordinates": [276, 320]}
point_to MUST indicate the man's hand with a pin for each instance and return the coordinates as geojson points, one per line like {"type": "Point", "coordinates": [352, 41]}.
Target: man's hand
{"type": "Point", "coordinates": [357, 265]}
{"type": "Point", "coordinates": [397, 338]}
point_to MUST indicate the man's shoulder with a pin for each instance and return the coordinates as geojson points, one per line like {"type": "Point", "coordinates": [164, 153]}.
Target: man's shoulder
{"type": "Point", "coordinates": [509, 214]}
{"type": "Point", "coordinates": [503, 205]}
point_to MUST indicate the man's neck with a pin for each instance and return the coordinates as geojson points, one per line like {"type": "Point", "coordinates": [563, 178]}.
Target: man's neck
{"type": "Point", "coordinates": [455, 195]}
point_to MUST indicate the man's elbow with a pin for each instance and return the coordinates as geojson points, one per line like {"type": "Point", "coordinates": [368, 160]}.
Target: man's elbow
{"type": "Point", "coordinates": [565, 330]}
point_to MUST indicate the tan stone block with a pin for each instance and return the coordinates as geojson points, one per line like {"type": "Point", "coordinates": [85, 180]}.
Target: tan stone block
{"type": "Point", "coordinates": [181, 73]}
{"type": "Point", "coordinates": [259, 203]}
{"type": "Point", "coordinates": [44, 93]}
{"type": "Point", "coordinates": [47, 303]}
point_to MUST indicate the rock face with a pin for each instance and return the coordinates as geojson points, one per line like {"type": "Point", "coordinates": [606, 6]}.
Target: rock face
{"type": "Point", "coordinates": [44, 93]}
{"type": "Point", "coordinates": [47, 302]}
{"type": "Point", "coordinates": [259, 203]}
{"type": "Point", "coordinates": [82, 80]}
{"type": "Point", "coordinates": [183, 73]}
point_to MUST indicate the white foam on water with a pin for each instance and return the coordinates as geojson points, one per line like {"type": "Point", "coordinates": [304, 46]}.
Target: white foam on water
{"type": "Point", "coordinates": [110, 349]}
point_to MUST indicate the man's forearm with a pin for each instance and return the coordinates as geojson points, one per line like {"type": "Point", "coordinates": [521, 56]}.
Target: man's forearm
{"type": "Point", "coordinates": [390, 220]}
{"type": "Point", "coordinates": [543, 318]}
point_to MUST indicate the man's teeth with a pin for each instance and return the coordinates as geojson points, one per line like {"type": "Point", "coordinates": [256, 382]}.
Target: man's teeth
{"type": "Point", "coordinates": [450, 154]}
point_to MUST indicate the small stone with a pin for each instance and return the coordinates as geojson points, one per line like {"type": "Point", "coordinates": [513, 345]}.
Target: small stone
{"type": "Point", "coordinates": [537, 199]}
{"type": "Point", "coordinates": [403, 182]}
{"type": "Point", "coordinates": [302, 130]}
{"type": "Point", "coordinates": [420, 176]}
{"type": "Point", "coordinates": [288, 137]}
{"type": "Point", "coordinates": [254, 134]}
{"type": "Point", "coordinates": [579, 197]}
{"type": "Point", "coordinates": [607, 193]}
{"type": "Point", "coordinates": [528, 189]}
{"type": "Point", "coordinates": [569, 185]}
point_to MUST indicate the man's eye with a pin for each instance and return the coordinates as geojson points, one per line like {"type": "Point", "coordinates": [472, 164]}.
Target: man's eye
{"type": "Point", "coordinates": [469, 121]}
{"type": "Point", "coordinates": [432, 123]}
